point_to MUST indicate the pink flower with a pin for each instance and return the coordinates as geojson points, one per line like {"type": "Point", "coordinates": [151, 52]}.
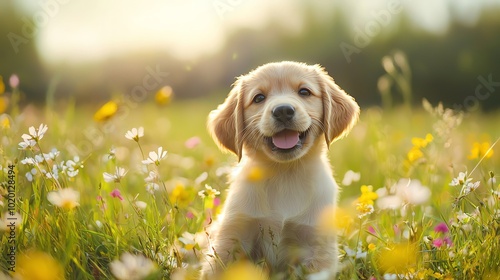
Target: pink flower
{"type": "Point", "coordinates": [441, 227]}
{"type": "Point", "coordinates": [371, 230]}
{"type": "Point", "coordinates": [14, 81]}
{"type": "Point", "coordinates": [189, 215]}
{"type": "Point", "coordinates": [116, 193]}
{"type": "Point", "coordinates": [438, 242]}
{"type": "Point", "coordinates": [216, 201]}
{"type": "Point", "coordinates": [192, 142]}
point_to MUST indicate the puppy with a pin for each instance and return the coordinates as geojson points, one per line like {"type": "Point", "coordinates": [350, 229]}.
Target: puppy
{"type": "Point", "coordinates": [279, 120]}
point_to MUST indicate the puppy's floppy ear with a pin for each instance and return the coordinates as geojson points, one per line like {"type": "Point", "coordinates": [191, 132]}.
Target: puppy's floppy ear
{"type": "Point", "coordinates": [340, 110]}
{"type": "Point", "coordinates": [225, 124]}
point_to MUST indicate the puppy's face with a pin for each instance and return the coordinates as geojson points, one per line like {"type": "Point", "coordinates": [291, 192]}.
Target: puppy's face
{"type": "Point", "coordinates": [281, 109]}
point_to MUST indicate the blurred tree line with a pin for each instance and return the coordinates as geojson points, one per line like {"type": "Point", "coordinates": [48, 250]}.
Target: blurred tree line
{"type": "Point", "coordinates": [460, 67]}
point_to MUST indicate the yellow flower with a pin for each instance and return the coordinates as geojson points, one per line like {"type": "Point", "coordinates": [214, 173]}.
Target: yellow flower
{"type": "Point", "coordinates": [372, 247]}
{"type": "Point", "coordinates": [255, 174]}
{"type": "Point", "coordinates": [422, 142]}
{"type": "Point", "coordinates": [4, 121]}
{"type": "Point", "coordinates": [399, 258]}
{"type": "Point", "coordinates": [243, 270]}
{"type": "Point", "coordinates": [336, 220]}
{"type": "Point", "coordinates": [164, 95]}
{"type": "Point", "coordinates": [38, 266]}
{"type": "Point", "coordinates": [367, 195]}
{"type": "Point", "coordinates": [2, 85]}
{"type": "Point", "coordinates": [479, 150]}
{"type": "Point", "coordinates": [4, 102]}
{"type": "Point", "coordinates": [181, 195]}
{"type": "Point", "coordinates": [107, 111]}
{"type": "Point", "coordinates": [414, 154]}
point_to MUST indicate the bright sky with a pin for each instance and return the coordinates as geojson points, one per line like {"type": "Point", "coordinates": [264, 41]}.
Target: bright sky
{"type": "Point", "coordinates": [82, 30]}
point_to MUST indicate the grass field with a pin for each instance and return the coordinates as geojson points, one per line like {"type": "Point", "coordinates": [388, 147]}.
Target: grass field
{"type": "Point", "coordinates": [419, 200]}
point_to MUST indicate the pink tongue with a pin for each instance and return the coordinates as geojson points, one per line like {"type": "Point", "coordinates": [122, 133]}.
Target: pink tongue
{"type": "Point", "coordinates": [286, 139]}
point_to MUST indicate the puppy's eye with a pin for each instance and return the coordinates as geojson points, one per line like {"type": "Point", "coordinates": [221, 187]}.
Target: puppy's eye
{"type": "Point", "coordinates": [304, 92]}
{"type": "Point", "coordinates": [259, 98]}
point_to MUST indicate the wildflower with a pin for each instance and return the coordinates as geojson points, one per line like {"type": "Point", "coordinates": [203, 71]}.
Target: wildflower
{"type": "Point", "coordinates": [243, 270]}
{"type": "Point", "coordinates": [255, 174]}
{"type": "Point", "coordinates": [38, 265]}
{"type": "Point", "coordinates": [190, 215]}
{"type": "Point", "coordinates": [188, 239]}
{"type": "Point", "coordinates": [364, 209]}
{"type": "Point", "coordinates": [65, 198]}
{"type": "Point", "coordinates": [4, 121]}
{"type": "Point", "coordinates": [463, 217]}
{"type": "Point", "coordinates": [441, 228]}
{"type": "Point", "coordinates": [350, 176]}
{"type": "Point", "coordinates": [71, 167]}
{"type": "Point", "coordinates": [372, 247]}
{"type": "Point", "coordinates": [116, 193]}
{"type": "Point", "coordinates": [14, 81]}
{"type": "Point", "coordinates": [180, 195]}
{"type": "Point", "coordinates": [358, 254]}
{"type": "Point", "coordinates": [4, 103]}
{"type": "Point", "coordinates": [200, 179]}
{"type": "Point", "coordinates": [192, 142]}
{"type": "Point", "coordinates": [152, 177]}
{"type": "Point", "coordinates": [35, 134]}
{"type": "Point", "coordinates": [135, 134]}
{"type": "Point", "coordinates": [116, 177]}
{"type": "Point", "coordinates": [422, 142]}
{"type": "Point", "coordinates": [132, 267]}
{"type": "Point", "coordinates": [439, 242]}
{"type": "Point", "coordinates": [460, 180]}
{"type": "Point", "coordinates": [52, 155]}
{"type": "Point", "coordinates": [397, 258]}
{"type": "Point", "coordinates": [152, 187]}
{"type": "Point", "coordinates": [164, 95]}
{"type": "Point", "coordinates": [367, 195]}
{"type": "Point", "coordinates": [155, 157]}
{"type": "Point", "coordinates": [480, 150]}
{"type": "Point", "coordinates": [208, 192]}
{"type": "Point", "coordinates": [141, 204]}
{"type": "Point", "coordinates": [54, 174]}
{"type": "Point", "coordinates": [406, 191]}
{"type": "Point", "coordinates": [470, 187]}
{"type": "Point", "coordinates": [107, 111]}
{"type": "Point", "coordinates": [414, 154]}
{"type": "Point", "coordinates": [2, 85]}
{"type": "Point", "coordinates": [29, 160]}
{"type": "Point", "coordinates": [30, 174]}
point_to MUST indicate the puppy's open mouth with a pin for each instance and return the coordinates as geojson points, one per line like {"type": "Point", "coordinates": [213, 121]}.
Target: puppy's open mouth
{"type": "Point", "coordinates": [287, 140]}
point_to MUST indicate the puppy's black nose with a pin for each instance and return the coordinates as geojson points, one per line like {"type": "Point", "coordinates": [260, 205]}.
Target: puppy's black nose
{"type": "Point", "coordinates": [283, 113]}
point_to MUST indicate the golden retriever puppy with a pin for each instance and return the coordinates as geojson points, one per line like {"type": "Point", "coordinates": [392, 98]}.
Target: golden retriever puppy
{"type": "Point", "coordinates": [279, 120]}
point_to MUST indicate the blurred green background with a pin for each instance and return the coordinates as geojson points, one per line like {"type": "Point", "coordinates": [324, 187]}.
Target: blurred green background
{"type": "Point", "coordinates": [90, 50]}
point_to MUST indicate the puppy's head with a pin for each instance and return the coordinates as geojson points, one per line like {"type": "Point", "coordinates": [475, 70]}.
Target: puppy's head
{"type": "Point", "coordinates": [282, 109]}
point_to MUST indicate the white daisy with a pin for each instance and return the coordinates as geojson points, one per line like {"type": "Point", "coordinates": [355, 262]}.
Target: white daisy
{"type": "Point", "coordinates": [155, 157]}
{"type": "Point", "coordinates": [65, 198]}
{"type": "Point", "coordinates": [116, 177]}
{"type": "Point", "coordinates": [35, 134]}
{"type": "Point", "coordinates": [135, 134]}
{"type": "Point", "coordinates": [132, 267]}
